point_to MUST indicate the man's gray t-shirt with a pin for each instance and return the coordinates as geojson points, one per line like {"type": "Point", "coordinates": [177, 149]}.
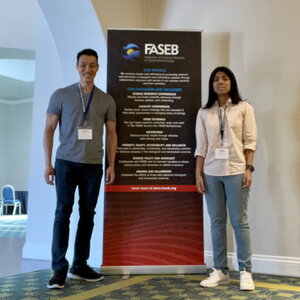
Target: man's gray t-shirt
{"type": "Point", "coordinates": [67, 104]}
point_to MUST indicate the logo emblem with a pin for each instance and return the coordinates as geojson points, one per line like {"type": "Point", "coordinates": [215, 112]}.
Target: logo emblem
{"type": "Point", "coordinates": [131, 52]}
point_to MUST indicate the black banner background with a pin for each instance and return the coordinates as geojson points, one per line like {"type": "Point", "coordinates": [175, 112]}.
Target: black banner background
{"type": "Point", "coordinates": [158, 95]}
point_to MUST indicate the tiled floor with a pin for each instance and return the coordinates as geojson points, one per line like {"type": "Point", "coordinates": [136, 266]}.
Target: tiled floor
{"type": "Point", "coordinates": [12, 239]}
{"type": "Point", "coordinates": [13, 226]}
{"type": "Point", "coordinates": [32, 286]}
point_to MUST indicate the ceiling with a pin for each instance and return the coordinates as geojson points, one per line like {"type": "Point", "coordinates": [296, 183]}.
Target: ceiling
{"type": "Point", "coordinates": [17, 71]}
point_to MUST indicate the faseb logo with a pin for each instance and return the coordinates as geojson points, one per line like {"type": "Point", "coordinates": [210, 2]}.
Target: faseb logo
{"type": "Point", "coordinates": [161, 49]}
{"type": "Point", "coordinates": [131, 52]}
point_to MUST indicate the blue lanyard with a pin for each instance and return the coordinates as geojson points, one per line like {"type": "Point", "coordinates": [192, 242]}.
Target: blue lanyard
{"type": "Point", "coordinates": [85, 110]}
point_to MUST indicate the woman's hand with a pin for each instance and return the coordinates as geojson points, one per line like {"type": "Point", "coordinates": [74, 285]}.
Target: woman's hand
{"type": "Point", "coordinates": [247, 179]}
{"type": "Point", "coordinates": [200, 184]}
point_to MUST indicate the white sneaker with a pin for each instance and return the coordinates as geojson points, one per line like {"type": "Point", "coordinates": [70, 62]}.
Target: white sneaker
{"type": "Point", "coordinates": [217, 277]}
{"type": "Point", "coordinates": [246, 281]}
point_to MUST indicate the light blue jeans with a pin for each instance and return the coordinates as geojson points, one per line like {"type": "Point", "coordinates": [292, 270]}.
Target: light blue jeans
{"type": "Point", "coordinates": [222, 193]}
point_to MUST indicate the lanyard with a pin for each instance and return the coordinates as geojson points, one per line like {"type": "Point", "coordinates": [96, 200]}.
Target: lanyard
{"type": "Point", "coordinates": [222, 122]}
{"type": "Point", "coordinates": [85, 110]}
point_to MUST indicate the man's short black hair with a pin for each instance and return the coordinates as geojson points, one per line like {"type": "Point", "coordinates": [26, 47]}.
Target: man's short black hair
{"type": "Point", "coordinates": [90, 52]}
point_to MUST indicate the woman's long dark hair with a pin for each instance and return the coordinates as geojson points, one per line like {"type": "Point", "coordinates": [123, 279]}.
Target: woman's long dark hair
{"type": "Point", "coordinates": [234, 92]}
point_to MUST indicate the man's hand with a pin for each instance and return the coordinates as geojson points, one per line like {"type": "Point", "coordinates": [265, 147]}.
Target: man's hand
{"type": "Point", "coordinates": [51, 124]}
{"type": "Point", "coordinates": [110, 175]}
{"type": "Point", "coordinates": [49, 175]}
{"type": "Point", "coordinates": [200, 184]}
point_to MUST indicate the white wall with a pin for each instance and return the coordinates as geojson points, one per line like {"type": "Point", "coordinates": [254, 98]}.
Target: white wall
{"type": "Point", "coordinates": [4, 119]}
{"type": "Point", "coordinates": [17, 30]}
{"type": "Point", "coordinates": [41, 202]}
{"type": "Point", "coordinates": [64, 28]}
{"type": "Point", "coordinates": [16, 24]}
{"type": "Point", "coordinates": [18, 144]}
{"type": "Point", "coordinates": [15, 134]}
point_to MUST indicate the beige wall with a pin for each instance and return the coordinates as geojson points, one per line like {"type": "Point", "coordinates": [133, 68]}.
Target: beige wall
{"type": "Point", "coordinates": [129, 14]}
{"type": "Point", "coordinates": [259, 40]}
{"type": "Point", "coordinates": [117, 14]}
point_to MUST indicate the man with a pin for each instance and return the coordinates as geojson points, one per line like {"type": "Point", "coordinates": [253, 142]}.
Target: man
{"type": "Point", "coordinates": [81, 110]}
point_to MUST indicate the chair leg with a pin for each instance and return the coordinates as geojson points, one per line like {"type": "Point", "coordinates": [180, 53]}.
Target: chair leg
{"type": "Point", "coordinates": [14, 211]}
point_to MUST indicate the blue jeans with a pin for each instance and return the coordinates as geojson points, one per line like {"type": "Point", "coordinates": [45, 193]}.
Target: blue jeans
{"type": "Point", "coordinates": [222, 192]}
{"type": "Point", "coordinates": [69, 175]}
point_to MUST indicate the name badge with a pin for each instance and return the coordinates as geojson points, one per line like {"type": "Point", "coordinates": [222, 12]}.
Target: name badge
{"type": "Point", "coordinates": [85, 133]}
{"type": "Point", "coordinates": [222, 153]}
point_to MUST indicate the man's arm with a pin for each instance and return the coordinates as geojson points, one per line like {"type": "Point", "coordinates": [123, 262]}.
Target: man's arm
{"type": "Point", "coordinates": [111, 148]}
{"type": "Point", "coordinates": [51, 124]}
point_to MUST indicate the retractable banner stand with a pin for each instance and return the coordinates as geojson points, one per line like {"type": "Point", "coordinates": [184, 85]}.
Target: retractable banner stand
{"type": "Point", "coordinates": [153, 215]}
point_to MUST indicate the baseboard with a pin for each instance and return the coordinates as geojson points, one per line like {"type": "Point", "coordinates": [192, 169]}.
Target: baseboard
{"type": "Point", "coordinates": [126, 270]}
{"type": "Point", "coordinates": [264, 264]}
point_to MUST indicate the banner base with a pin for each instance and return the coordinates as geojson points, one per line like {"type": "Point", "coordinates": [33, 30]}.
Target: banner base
{"type": "Point", "coordinates": [126, 270]}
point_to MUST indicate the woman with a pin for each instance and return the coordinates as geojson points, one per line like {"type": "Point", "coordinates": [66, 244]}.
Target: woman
{"type": "Point", "coordinates": [226, 141]}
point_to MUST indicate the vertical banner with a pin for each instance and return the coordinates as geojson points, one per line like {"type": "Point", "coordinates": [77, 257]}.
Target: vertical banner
{"type": "Point", "coordinates": [153, 215]}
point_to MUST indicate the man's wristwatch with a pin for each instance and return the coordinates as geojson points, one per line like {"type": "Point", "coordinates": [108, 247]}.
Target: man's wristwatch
{"type": "Point", "coordinates": [250, 167]}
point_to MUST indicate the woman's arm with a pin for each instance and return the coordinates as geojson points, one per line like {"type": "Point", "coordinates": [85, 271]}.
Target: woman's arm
{"type": "Point", "coordinates": [198, 175]}
{"type": "Point", "coordinates": [249, 156]}
{"type": "Point", "coordinates": [249, 138]}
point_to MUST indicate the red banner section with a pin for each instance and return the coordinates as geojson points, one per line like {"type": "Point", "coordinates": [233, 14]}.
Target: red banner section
{"type": "Point", "coordinates": [142, 230]}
